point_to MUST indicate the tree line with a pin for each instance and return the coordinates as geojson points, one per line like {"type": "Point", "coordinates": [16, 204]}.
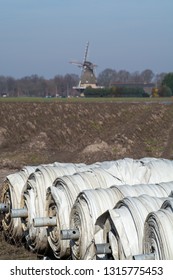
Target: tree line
{"type": "Point", "coordinates": [60, 85]}
{"type": "Point", "coordinates": [110, 76]}
{"type": "Point", "coordinates": [37, 86]}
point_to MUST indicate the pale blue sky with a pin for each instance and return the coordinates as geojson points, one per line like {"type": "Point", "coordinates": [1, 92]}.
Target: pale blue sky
{"type": "Point", "coordinates": [42, 36]}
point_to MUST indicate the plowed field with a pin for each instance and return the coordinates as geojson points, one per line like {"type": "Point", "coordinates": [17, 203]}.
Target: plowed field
{"type": "Point", "coordinates": [34, 133]}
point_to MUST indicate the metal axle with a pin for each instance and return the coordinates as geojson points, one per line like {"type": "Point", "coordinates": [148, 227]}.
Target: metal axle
{"type": "Point", "coordinates": [4, 208]}
{"type": "Point", "coordinates": [70, 234]}
{"type": "Point", "coordinates": [104, 248]}
{"type": "Point", "coordinates": [144, 257]}
{"type": "Point", "coordinates": [45, 222]}
{"type": "Point", "coordinates": [19, 213]}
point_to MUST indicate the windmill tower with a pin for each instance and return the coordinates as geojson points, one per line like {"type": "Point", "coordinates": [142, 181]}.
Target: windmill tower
{"type": "Point", "coordinates": [87, 78]}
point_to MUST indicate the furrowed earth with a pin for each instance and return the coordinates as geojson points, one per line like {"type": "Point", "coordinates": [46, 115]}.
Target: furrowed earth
{"type": "Point", "coordinates": [33, 133]}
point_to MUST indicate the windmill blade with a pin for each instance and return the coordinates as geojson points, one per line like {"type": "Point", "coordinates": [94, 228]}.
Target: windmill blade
{"type": "Point", "coordinates": [79, 64]}
{"type": "Point", "coordinates": [86, 52]}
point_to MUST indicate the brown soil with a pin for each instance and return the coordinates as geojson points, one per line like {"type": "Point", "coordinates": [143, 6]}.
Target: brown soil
{"type": "Point", "coordinates": [34, 133]}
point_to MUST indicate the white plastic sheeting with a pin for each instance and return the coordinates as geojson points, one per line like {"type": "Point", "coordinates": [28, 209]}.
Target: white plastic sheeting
{"type": "Point", "coordinates": [11, 195]}
{"type": "Point", "coordinates": [67, 189]}
{"type": "Point", "coordinates": [34, 198]}
{"type": "Point", "coordinates": [158, 232]}
{"type": "Point", "coordinates": [158, 190]}
{"type": "Point", "coordinates": [130, 171]}
{"type": "Point", "coordinates": [142, 171]}
{"type": "Point", "coordinates": [12, 190]}
{"type": "Point", "coordinates": [90, 204]}
{"type": "Point", "coordinates": [168, 204]}
{"type": "Point", "coordinates": [125, 225]}
{"type": "Point", "coordinates": [61, 197]}
{"type": "Point", "coordinates": [160, 170]}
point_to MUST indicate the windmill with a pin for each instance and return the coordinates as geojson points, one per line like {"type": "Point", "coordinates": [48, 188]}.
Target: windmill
{"type": "Point", "coordinates": [88, 78]}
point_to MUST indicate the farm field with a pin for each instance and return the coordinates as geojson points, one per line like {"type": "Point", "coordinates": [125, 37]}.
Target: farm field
{"type": "Point", "coordinates": [88, 99]}
{"type": "Point", "coordinates": [35, 131]}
